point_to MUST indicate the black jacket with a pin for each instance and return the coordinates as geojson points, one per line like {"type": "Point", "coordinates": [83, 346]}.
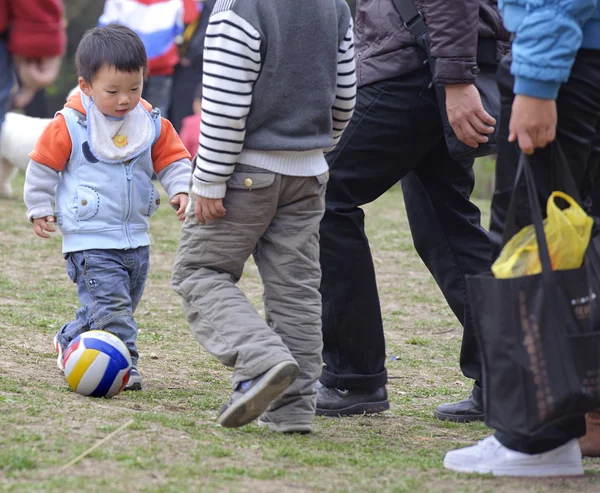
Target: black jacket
{"type": "Point", "coordinates": [385, 49]}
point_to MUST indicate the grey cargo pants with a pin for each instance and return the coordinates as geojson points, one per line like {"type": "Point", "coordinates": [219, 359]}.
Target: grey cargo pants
{"type": "Point", "coordinates": [276, 219]}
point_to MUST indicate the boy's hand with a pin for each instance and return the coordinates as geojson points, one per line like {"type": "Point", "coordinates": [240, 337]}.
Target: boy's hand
{"type": "Point", "coordinates": [181, 199]}
{"type": "Point", "coordinates": [208, 209]}
{"type": "Point", "coordinates": [41, 225]}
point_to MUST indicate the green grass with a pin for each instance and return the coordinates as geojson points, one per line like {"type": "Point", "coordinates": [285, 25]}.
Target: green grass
{"type": "Point", "coordinates": [174, 444]}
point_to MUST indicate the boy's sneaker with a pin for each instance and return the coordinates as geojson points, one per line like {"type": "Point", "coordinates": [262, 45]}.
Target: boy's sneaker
{"type": "Point", "coordinates": [59, 351]}
{"type": "Point", "coordinates": [251, 398]}
{"type": "Point", "coordinates": [303, 428]}
{"type": "Point", "coordinates": [490, 456]}
{"type": "Point", "coordinates": [135, 380]}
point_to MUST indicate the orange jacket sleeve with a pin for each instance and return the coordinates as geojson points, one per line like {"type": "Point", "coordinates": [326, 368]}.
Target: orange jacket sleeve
{"type": "Point", "coordinates": [168, 147]}
{"type": "Point", "coordinates": [53, 148]}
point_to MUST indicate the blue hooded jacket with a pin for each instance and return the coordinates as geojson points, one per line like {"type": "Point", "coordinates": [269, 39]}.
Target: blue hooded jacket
{"type": "Point", "coordinates": [548, 35]}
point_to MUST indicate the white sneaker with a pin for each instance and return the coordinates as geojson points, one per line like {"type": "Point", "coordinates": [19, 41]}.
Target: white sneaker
{"type": "Point", "coordinates": [59, 351]}
{"type": "Point", "coordinates": [490, 456]}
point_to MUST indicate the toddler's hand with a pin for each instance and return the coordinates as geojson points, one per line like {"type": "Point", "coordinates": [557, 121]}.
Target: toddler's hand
{"type": "Point", "coordinates": [210, 209]}
{"type": "Point", "coordinates": [43, 224]}
{"type": "Point", "coordinates": [181, 199]}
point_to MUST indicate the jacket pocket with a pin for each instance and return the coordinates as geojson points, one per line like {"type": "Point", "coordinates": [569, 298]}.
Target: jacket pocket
{"type": "Point", "coordinates": [154, 202]}
{"type": "Point", "coordinates": [87, 203]}
{"type": "Point", "coordinates": [148, 199]}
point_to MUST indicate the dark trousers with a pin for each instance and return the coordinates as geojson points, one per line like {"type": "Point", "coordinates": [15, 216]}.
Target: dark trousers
{"type": "Point", "coordinates": [595, 193]}
{"type": "Point", "coordinates": [185, 83]}
{"type": "Point", "coordinates": [38, 106]}
{"type": "Point", "coordinates": [6, 78]}
{"type": "Point", "coordinates": [395, 134]}
{"type": "Point", "coordinates": [578, 106]}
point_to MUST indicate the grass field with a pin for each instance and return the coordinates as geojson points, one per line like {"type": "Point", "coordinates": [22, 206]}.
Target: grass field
{"type": "Point", "coordinates": [174, 444]}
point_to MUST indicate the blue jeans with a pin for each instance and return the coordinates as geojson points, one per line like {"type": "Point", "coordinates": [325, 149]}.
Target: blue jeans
{"type": "Point", "coordinates": [110, 284]}
{"type": "Point", "coordinates": [6, 78]}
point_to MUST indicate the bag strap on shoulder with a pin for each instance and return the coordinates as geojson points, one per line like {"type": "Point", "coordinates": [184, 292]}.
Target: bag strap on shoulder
{"type": "Point", "coordinates": [413, 21]}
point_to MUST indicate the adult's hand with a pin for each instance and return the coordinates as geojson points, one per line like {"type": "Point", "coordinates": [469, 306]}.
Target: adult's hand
{"type": "Point", "coordinates": [469, 120]}
{"type": "Point", "coordinates": [532, 122]}
{"type": "Point", "coordinates": [34, 74]}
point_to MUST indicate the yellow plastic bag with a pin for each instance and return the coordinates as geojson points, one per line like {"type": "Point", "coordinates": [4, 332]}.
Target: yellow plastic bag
{"type": "Point", "coordinates": [567, 232]}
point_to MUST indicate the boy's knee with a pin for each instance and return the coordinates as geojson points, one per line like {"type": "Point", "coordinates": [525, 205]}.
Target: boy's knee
{"type": "Point", "coordinates": [106, 317]}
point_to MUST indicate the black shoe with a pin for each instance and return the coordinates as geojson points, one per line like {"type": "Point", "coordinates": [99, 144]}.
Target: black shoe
{"type": "Point", "coordinates": [469, 409]}
{"type": "Point", "coordinates": [338, 402]}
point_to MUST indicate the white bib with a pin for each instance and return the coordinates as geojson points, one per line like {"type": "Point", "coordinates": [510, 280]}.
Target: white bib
{"type": "Point", "coordinates": [117, 140]}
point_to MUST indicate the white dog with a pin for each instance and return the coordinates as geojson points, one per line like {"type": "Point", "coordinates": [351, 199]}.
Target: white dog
{"type": "Point", "coordinates": [18, 136]}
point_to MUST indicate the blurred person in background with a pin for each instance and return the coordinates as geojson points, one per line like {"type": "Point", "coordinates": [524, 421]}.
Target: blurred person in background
{"type": "Point", "coordinates": [159, 23]}
{"type": "Point", "coordinates": [32, 42]}
{"type": "Point", "coordinates": [188, 73]}
{"type": "Point", "coordinates": [190, 125]}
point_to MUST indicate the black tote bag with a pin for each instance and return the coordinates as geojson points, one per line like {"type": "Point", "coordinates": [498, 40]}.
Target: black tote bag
{"type": "Point", "coordinates": [539, 335]}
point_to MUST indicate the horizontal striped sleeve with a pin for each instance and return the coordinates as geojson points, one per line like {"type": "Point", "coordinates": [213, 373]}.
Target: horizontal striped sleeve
{"type": "Point", "coordinates": [232, 63]}
{"type": "Point", "coordinates": [345, 95]}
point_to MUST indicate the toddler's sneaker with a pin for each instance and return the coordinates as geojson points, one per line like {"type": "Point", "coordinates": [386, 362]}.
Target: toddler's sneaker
{"type": "Point", "coordinates": [135, 380]}
{"type": "Point", "coordinates": [251, 398]}
{"type": "Point", "coordinates": [302, 428]}
{"type": "Point", "coordinates": [59, 351]}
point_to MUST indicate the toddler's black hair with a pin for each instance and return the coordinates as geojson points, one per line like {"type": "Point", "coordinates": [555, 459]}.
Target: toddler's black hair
{"type": "Point", "coordinates": [112, 45]}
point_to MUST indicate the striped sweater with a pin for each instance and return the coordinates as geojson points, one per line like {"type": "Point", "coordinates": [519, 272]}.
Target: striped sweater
{"type": "Point", "coordinates": [279, 88]}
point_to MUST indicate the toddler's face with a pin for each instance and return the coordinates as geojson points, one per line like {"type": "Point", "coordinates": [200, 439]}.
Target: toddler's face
{"type": "Point", "coordinates": [115, 93]}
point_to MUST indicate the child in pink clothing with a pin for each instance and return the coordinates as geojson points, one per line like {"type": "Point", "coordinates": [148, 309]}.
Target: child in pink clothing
{"type": "Point", "coordinates": [190, 125]}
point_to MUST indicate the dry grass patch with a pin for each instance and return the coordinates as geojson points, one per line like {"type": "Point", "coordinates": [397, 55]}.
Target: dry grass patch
{"type": "Point", "coordinates": [174, 444]}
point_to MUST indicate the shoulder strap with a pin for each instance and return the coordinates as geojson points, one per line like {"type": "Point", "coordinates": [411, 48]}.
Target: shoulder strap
{"type": "Point", "coordinates": [414, 22]}
{"type": "Point", "coordinates": [73, 119]}
{"type": "Point", "coordinates": [156, 116]}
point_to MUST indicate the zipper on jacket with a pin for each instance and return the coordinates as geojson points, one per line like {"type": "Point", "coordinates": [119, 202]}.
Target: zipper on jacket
{"type": "Point", "coordinates": [128, 174]}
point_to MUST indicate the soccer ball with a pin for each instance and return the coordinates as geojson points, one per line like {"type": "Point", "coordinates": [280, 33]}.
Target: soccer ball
{"type": "Point", "coordinates": [97, 364]}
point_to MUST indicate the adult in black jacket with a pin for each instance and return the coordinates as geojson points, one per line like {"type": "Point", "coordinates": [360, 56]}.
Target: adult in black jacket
{"type": "Point", "coordinates": [396, 133]}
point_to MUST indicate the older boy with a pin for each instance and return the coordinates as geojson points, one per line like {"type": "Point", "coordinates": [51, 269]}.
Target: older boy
{"type": "Point", "coordinates": [278, 90]}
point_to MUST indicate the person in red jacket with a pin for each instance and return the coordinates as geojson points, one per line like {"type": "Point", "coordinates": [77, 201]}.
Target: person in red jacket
{"type": "Point", "coordinates": [160, 25]}
{"type": "Point", "coordinates": [32, 41]}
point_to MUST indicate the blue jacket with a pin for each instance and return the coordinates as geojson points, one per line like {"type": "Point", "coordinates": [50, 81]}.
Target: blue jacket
{"type": "Point", "coordinates": [548, 34]}
{"type": "Point", "coordinates": [100, 205]}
